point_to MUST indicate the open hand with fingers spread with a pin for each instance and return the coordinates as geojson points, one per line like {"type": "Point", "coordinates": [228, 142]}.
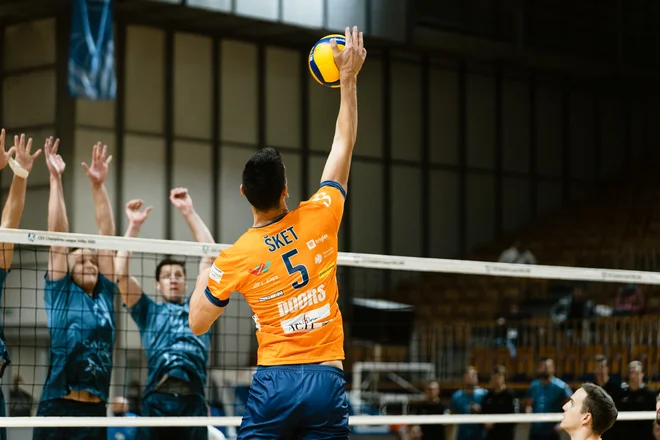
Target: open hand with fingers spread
{"type": "Point", "coordinates": [98, 171]}
{"type": "Point", "coordinates": [349, 61]}
{"type": "Point", "coordinates": [54, 161]}
{"type": "Point", "coordinates": [23, 152]}
{"type": "Point", "coordinates": [136, 216]}
{"type": "Point", "coordinates": [181, 200]}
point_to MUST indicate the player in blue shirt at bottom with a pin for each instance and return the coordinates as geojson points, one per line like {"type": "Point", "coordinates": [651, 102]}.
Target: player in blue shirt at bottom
{"type": "Point", "coordinates": [177, 358]}
{"type": "Point", "coordinates": [547, 394]}
{"type": "Point", "coordinates": [120, 408]}
{"type": "Point", "coordinates": [11, 217]}
{"type": "Point", "coordinates": [469, 401]}
{"type": "Point", "coordinates": [79, 301]}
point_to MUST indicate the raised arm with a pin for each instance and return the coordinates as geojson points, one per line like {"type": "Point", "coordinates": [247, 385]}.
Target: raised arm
{"type": "Point", "coordinates": [349, 61]}
{"type": "Point", "coordinates": [57, 220]}
{"type": "Point", "coordinates": [105, 220]}
{"type": "Point", "coordinates": [129, 287]}
{"type": "Point", "coordinates": [181, 200]}
{"type": "Point", "coordinates": [13, 210]}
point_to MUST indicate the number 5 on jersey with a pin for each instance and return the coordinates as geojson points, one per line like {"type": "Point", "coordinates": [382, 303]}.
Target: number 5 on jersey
{"type": "Point", "coordinates": [291, 269]}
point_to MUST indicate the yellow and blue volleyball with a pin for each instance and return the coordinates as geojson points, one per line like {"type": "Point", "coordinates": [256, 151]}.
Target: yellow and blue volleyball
{"type": "Point", "coordinates": [322, 61]}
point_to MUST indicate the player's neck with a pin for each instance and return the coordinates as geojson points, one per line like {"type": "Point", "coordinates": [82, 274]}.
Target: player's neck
{"type": "Point", "coordinates": [584, 435]}
{"type": "Point", "coordinates": [264, 218]}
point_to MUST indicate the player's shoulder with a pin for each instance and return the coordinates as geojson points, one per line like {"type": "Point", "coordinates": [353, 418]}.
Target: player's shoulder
{"type": "Point", "coordinates": [328, 189]}
{"type": "Point", "coordinates": [247, 245]}
{"type": "Point", "coordinates": [234, 252]}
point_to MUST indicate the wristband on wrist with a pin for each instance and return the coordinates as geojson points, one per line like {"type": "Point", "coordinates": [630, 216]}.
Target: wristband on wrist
{"type": "Point", "coordinates": [18, 169]}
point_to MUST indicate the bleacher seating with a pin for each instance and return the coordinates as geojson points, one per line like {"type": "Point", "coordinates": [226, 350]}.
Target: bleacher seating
{"type": "Point", "coordinates": [618, 227]}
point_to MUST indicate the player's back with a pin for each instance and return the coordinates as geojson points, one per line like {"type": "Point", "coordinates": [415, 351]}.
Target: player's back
{"type": "Point", "coordinates": [286, 271]}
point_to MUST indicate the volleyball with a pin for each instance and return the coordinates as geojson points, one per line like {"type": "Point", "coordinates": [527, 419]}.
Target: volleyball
{"type": "Point", "coordinates": [322, 61]}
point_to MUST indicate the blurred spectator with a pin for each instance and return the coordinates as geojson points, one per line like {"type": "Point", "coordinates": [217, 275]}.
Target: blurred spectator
{"type": "Point", "coordinates": [468, 401]}
{"type": "Point", "coordinates": [637, 397]}
{"type": "Point", "coordinates": [517, 253]}
{"type": "Point", "coordinates": [499, 400]}
{"type": "Point", "coordinates": [21, 402]}
{"type": "Point", "coordinates": [547, 394]}
{"type": "Point", "coordinates": [432, 405]}
{"type": "Point", "coordinates": [506, 328]}
{"type": "Point", "coordinates": [573, 306]}
{"type": "Point", "coordinates": [629, 301]}
{"type": "Point", "coordinates": [120, 408]}
{"type": "Point", "coordinates": [602, 378]}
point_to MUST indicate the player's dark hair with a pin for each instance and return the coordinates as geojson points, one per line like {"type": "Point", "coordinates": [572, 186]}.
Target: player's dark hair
{"type": "Point", "coordinates": [264, 178]}
{"type": "Point", "coordinates": [167, 262]}
{"type": "Point", "coordinates": [601, 407]}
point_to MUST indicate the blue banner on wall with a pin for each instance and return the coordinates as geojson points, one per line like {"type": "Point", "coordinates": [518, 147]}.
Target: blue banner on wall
{"type": "Point", "coordinates": [92, 51]}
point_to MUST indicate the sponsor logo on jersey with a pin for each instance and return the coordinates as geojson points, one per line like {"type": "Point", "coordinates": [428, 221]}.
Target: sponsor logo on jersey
{"type": "Point", "coordinates": [302, 301]}
{"type": "Point", "coordinates": [215, 274]}
{"type": "Point", "coordinates": [273, 296]}
{"type": "Point", "coordinates": [261, 268]}
{"type": "Point", "coordinates": [326, 271]}
{"type": "Point", "coordinates": [307, 321]}
{"type": "Point", "coordinates": [266, 281]}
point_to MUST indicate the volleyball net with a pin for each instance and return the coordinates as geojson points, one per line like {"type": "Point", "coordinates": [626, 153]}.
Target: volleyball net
{"type": "Point", "coordinates": [409, 322]}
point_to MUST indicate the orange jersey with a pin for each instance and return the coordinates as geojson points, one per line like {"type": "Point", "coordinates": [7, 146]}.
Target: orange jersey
{"type": "Point", "coordinates": [287, 272]}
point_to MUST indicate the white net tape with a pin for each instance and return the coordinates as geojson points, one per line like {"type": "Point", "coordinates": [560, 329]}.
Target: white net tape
{"type": "Point", "coordinates": [40, 238]}
{"type": "Point", "coordinates": [371, 261]}
{"type": "Point", "coordinates": [60, 422]}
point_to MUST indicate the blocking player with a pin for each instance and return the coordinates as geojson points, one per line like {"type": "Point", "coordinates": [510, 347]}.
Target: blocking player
{"type": "Point", "coordinates": [177, 358]}
{"type": "Point", "coordinates": [11, 217]}
{"type": "Point", "coordinates": [79, 301]}
{"type": "Point", "coordinates": [286, 266]}
{"type": "Point", "coordinates": [589, 413]}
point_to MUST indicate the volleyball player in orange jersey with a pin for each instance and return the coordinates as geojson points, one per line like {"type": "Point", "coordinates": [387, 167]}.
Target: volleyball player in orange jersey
{"type": "Point", "coordinates": [285, 266]}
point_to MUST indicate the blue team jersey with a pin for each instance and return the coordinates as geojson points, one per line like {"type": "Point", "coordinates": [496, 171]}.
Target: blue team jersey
{"type": "Point", "coordinates": [4, 354]}
{"type": "Point", "coordinates": [460, 404]}
{"type": "Point", "coordinates": [548, 398]}
{"type": "Point", "coordinates": [172, 348]}
{"type": "Point", "coordinates": [82, 337]}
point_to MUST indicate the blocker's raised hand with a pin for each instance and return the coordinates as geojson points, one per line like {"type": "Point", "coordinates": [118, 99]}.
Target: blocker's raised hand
{"type": "Point", "coordinates": [351, 58]}
{"type": "Point", "coordinates": [54, 161]}
{"type": "Point", "coordinates": [134, 213]}
{"type": "Point", "coordinates": [23, 152]}
{"type": "Point", "coordinates": [98, 171]}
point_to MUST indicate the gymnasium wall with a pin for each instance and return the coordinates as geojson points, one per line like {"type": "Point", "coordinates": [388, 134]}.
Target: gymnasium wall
{"type": "Point", "coordinates": [462, 137]}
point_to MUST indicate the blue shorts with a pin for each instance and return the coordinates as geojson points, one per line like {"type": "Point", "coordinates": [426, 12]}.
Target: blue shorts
{"type": "Point", "coordinates": [302, 402]}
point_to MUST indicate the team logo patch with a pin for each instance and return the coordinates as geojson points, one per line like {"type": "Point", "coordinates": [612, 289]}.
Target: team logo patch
{"type": "Point", "coordinates": [215, 274]}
